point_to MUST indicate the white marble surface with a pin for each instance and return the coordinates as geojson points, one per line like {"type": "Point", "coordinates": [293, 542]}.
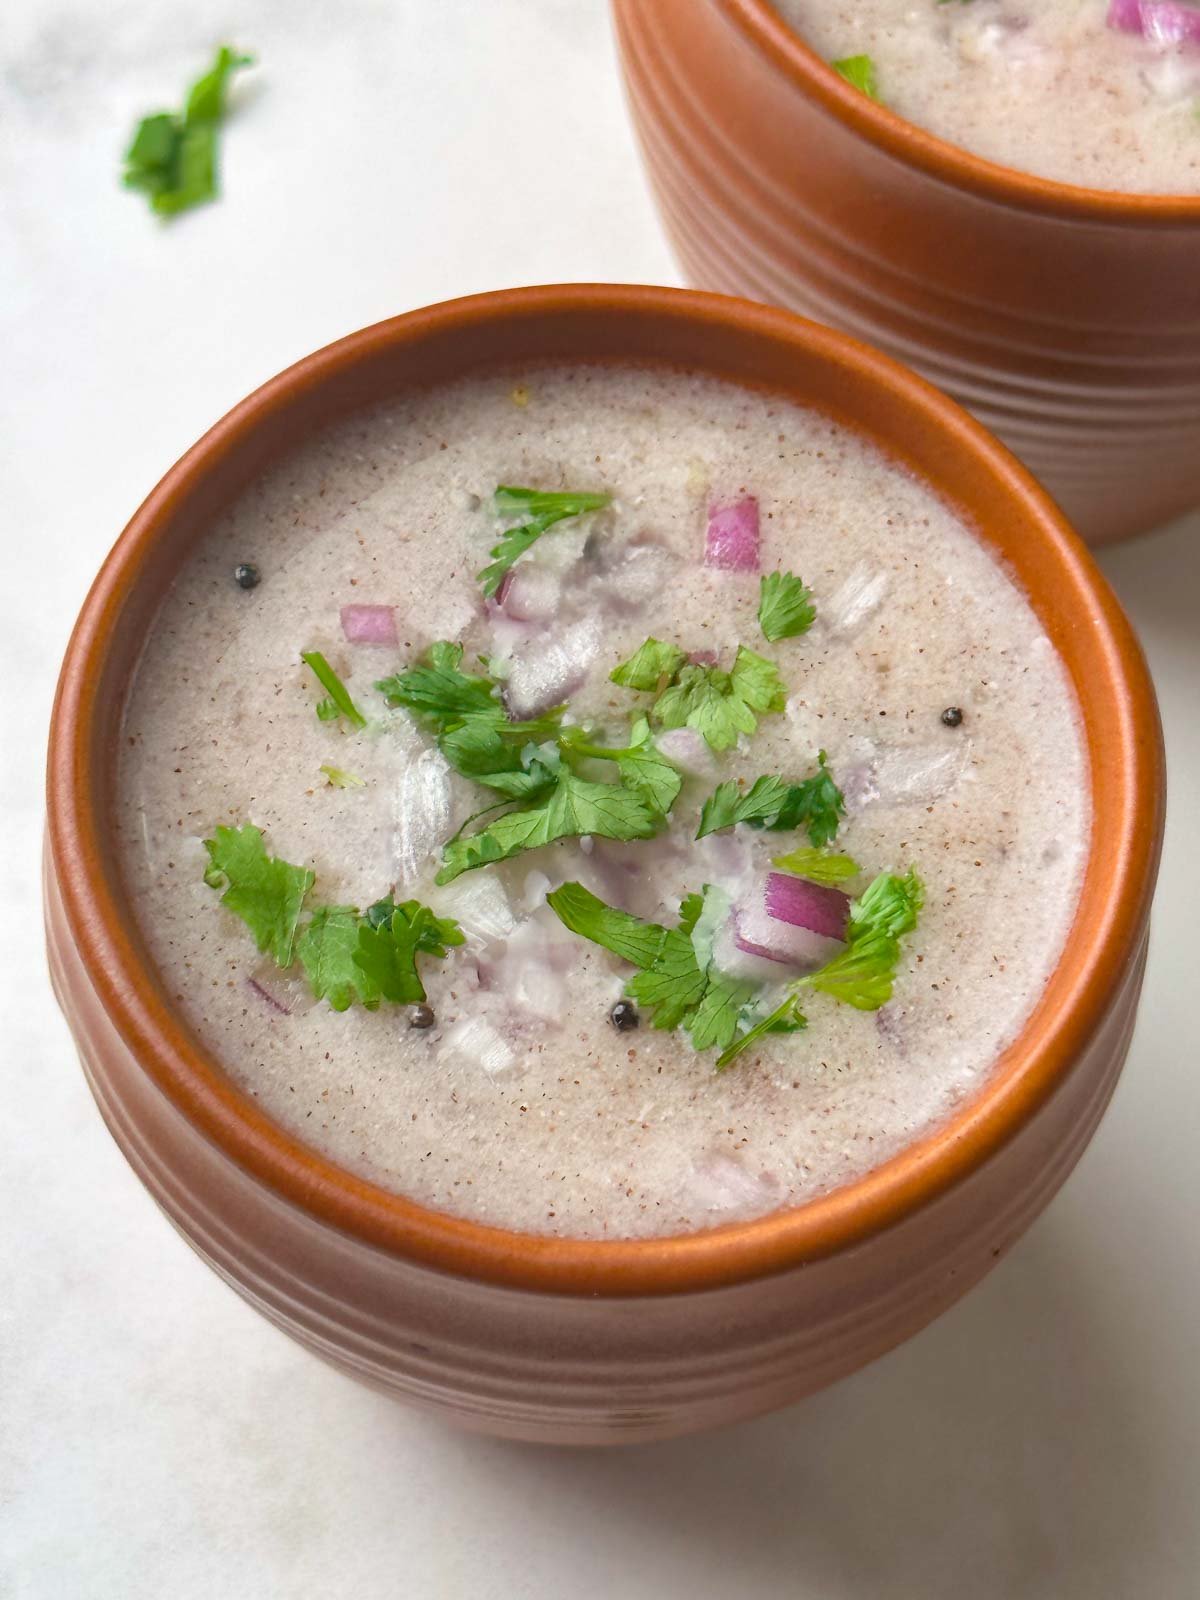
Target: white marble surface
{"type": "Point", "coordinates": [156, 1437]}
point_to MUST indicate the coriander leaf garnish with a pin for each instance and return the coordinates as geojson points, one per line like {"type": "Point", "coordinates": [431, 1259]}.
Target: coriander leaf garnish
{"type": "Point", "coordinates": [266, 893]}
{"type": "Point", "coordinates": [720, 705]}
{"type": "Point", "coordinates": [438, 691]}
{"type": "Point", "coordinates": [819, 866]}
{"type": "Point", "coordinates": [859, 71]}
{"type": "Point", "coordinates": [340, 779]}
{"type": "Point", "coordinates": [864, 973]}
{"type": "Point", "coordinates": [387, 952]}
{"type": "Point", "coordinates": [339, 696]}
{"type": "Point", "coordinates": [651, 666]}
{"type": "Point", "coordinates": [642, 768]}
{"type": "Point", "coordinates": [326, 950]}
{"type": "Point", "coordinates": [172, 159]}
{"type": "Point", "coordinates": [347, 955]}
{"type": "Point", "coordinates": [541, 509]}
{"type": "Point", "coordinates": [672, 984]}
{"type": "Point", "coordinates": [773, 803]}
{"type": "Point", "coordinates": [572, 808]}
{"type": "Point", "coordinates": [785, 608]}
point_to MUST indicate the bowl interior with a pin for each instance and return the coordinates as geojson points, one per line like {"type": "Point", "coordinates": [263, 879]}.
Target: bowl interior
{"type": "Point", "coordinates": [734, 340]}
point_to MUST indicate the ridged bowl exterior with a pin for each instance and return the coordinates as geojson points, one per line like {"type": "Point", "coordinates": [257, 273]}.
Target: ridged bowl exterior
{"type": "Point", "coordinates": [572, 1341]}
{"type": "Point", "coordinates": [1068, 321]}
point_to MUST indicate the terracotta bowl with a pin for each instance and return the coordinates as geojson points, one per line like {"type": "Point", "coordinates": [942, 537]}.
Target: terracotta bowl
{"type": "Point", "coordinates": [559, 1339]}
{"type": "Point", "coordinates": [1067, 319]}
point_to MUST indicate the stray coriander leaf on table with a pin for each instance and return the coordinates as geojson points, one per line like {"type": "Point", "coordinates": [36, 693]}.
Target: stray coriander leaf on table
{"type": "Point", "coordinates": [859, 71]}
{"type": "Point", "coordinates": [773, 803]}
{"type": "Point", "coordinates": [541, 509]}
{"type": "Point", "coordinates": [650, 666]}
{"type": "Point", "coordinates": [172, 158]}
{"type": "Point", "coordinates": [266, 893]}
{"type": "Point", "coordinates": [339, 702]}
{"type": "Point", "coordinates": [785, 608]}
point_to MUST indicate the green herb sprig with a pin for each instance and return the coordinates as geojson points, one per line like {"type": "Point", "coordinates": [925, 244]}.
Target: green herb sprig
{"type": "Point", "coordinates": [172, 158]}
{"type": "Point", "coordinates": [541, 509]}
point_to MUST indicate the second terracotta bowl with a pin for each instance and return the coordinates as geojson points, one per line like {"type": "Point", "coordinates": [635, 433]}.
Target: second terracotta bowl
{"type": "Point", "coordinates": [1067, 319]}
{"type": "Point", "coordinates": [600, 1341]}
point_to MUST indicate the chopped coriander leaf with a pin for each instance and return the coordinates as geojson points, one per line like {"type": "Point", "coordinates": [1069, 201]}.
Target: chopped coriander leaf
{"type": "Point", "coordinates": [266, 893]}
{"type": "Point", "coordinates": [338, 779]}
{"type": "Point", "coordinates": [627, 936]}
{"type": "Point", "coordinates": [172, 159]}
{"type": "Point", "coordinates": [642, 768]}
{"type": "Point", "coordinates": [862, 974]}
{"type": "Point", "coordinates": [650, 667]}
{"type": "Point", "coordinates": [541, 509]}
{"type": "Point", "coordinates": [773, 803]}
{"type": "Point", "coordinates": [339, 695]}
{"type": "Point", "coordinates": [437, 691]}
{"type": "Point", "coordinates": [718, 704]}
{"type": "Point", "coordinates": [785, 608]}
{"type": "Point", "coordinates": [890, 905]}
{"type": "Point", "coordinates": [786, 1018]}
{"type": "Point", "coordinates": [672, 984]}
{"type": "Point", "coordinates": [819, 866]}
{"type": "Point", "coordinates": [573, 807]}
{"type": "Point", "coordinates": [387, 952]}
{"type": "Point", "coordinates": [859, 71]}
{"type": "Point", "coordinates": [326, 950]}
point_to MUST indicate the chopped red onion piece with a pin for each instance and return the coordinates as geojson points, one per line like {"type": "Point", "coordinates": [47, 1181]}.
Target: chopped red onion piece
{"type": "Point", "coordinates": [723, 1183]}
{"type": "Point", "coordinates": [804, 904]}
{"type": "Point", "coordinates": [369, 625]}
{"type": "Point", "coordinates": [1165, 22]}
{"type": "Point", "coordinates": [267, 997]}
{"type": "Point", "coordinates": [732, 541]}
{"type": "Point", "coordinates": [703, 658]}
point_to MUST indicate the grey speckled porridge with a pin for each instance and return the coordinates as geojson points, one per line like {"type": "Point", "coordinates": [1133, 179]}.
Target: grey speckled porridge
{"type": "Point", "coordinates": [1050, 89]}
{"type": "Point", "coordinates": [523, 1105]}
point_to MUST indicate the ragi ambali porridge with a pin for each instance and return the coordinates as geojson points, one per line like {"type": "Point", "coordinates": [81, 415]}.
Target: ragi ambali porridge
{"type": "Point", "coordinates": [1102, 93]}
{"type": "Point", "coordinates": [601, 802]}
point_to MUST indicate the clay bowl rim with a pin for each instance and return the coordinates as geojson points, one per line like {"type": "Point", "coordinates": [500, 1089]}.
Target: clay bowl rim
{"type": "Point", "coordinates": [1074, 1006]}
{"type": "Point", "coordinates": [812, 74]}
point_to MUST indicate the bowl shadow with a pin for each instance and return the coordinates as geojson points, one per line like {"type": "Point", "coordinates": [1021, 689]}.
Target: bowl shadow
{"type": "Point", "coordinates": [1001, 1453]}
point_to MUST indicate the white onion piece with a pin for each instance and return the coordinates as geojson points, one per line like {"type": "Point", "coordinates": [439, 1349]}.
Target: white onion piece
{"type": "Point", "coordinates": [422, 812]}
{"type": "Point", "coordinates": [537, 887]}
{"type": "Point", "coordinates": [530, 977]}
{"type": "Point", "coordinates": [757, 933]}
{"type": "Point", "coordinates": [688, 750]}
{"type": "Point", "coordinates": [478, 902]}
{"type": "Point", "coordinates": [477, 1042]}
{"type": "Point", "coordinates": [531, 592]}
{"type": "Point", "coordinates": [852, 603]}
{"type": "Point", "coordinates": [726, 1185]}
{"type": "Point", "coordinates": [638, 577]}
{"type": "Point", "coordinates": [544, 672]}
{"type": "Point", "coordinates": [920, 774]}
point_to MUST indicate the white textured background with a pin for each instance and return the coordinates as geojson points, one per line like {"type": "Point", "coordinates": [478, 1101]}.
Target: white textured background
{"type": "Point", "coordinates": [158, 1441]}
